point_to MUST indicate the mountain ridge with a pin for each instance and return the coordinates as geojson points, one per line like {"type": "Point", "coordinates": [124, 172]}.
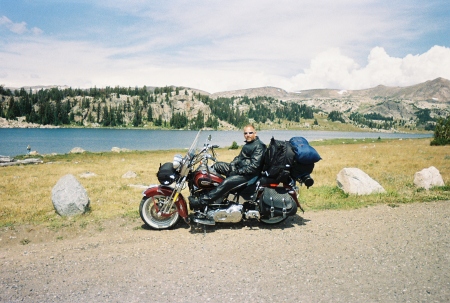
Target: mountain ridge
{"type": "Point", "coordinates": [437, 90]}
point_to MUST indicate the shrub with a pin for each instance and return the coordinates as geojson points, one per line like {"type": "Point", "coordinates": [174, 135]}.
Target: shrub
{"type": "Point", "coordinates": [442, 132]}
{"type": "Point", "coordinates": [234, 145]}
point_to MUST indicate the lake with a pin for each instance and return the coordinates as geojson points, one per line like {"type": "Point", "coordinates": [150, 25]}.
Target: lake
{"type": "Point", "coordinates": [14, 141]}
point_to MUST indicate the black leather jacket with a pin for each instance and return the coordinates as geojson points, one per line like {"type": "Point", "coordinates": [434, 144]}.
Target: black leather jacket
{"type": "Point", "coordinates": [250, 159]}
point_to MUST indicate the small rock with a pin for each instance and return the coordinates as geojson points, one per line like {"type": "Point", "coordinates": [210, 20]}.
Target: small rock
{"type": "Point", "coordinates": [138, 186]}
{"type": "Point", "coordinates": [87, 175]}
{"type": "Point", "coordinates": [129, 175]}
{"type": "Point", "coordinates": [5, 159]}
{"type": "Point", "coordinates": [120, 150]}
{"type": "Point", "coordinates": [77, 150]}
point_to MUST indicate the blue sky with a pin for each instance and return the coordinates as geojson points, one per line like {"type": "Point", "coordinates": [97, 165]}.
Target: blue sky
{"type": "Point", "coordinates": [224, 45]}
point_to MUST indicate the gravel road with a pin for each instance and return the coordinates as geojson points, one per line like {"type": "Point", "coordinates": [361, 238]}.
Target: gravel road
{"type": "Point", "coordinates": [374, 254]}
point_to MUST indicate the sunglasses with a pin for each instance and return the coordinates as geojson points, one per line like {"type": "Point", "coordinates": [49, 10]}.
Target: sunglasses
{"type": "Point", "coordinates": [249, 133]}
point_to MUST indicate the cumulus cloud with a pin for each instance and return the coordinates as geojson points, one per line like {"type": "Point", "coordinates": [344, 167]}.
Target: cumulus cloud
{"type": "Point", "coordinates": [211, 45]}
{"type": "Point", "coordinates": [46, 61]}
{"type": "Point", "coordinates": [332, 69]}
{"type": "Point", "coordinates": [19, 28]}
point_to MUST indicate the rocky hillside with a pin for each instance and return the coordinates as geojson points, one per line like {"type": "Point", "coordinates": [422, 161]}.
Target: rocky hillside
{"type": "Point", "coordinates": [437, 90]}
{"type": "Point", "coordinates": [397, 102]}
{"type": "Point", "coordinates": [180, 107]}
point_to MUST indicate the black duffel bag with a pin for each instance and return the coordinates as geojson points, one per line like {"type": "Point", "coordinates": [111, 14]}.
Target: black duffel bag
{"type": "Point", "coordinates": [276, 202]}
{"type": "Point", "coordinates": [166, 173]}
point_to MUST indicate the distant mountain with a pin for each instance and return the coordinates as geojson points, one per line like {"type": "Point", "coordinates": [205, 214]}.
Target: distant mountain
{"type": "Point", "coordinates": [435, 90]}
{"type": "Point", "coordinates": [268, 91]}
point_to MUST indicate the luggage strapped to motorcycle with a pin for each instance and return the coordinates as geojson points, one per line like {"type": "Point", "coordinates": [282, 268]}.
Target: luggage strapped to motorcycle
{"type": "Point", "coordinates": [278, 159]}
{"type": "Point", "coordinates": [277, 202]}
{"type": "Point", "coordinates": [272, 208]}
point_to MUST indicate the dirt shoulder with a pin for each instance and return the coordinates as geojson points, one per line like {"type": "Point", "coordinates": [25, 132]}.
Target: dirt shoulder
{"type": "Point", "coordinates": [374, 254]}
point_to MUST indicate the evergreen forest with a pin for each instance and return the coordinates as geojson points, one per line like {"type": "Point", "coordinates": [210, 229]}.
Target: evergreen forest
{"type": "Point", "coordinates": [135, 107]}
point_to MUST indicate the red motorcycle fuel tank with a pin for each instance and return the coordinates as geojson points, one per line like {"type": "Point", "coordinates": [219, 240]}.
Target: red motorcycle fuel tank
{"type": "Point", "coordinates": [205, 180]}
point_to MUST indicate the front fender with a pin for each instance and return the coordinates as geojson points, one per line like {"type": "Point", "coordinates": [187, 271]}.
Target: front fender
{"type": "Point", "coordinates": [159, 189]}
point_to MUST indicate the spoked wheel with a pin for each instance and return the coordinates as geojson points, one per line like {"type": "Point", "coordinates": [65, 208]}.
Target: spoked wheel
{"type": "Point", "coordinates": [149, 211]}
{"type": "Point", "coordinates": [274, 220]}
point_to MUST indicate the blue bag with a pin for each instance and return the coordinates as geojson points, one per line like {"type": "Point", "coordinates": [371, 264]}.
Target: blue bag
{"type": "Point", "coordinates": [304, 153]}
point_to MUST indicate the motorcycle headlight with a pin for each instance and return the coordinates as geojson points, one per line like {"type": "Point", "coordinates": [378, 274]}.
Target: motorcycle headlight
{"type": "Point", "coordinates": [177, 160]}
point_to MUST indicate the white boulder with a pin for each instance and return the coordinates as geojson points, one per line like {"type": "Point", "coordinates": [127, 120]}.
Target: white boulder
{"type": "Point", "coordinates": [69, 197]}
{"type": "Point", "coordinates": [428, 177]}
{"type": "Point", "coordinates": [355, 181]}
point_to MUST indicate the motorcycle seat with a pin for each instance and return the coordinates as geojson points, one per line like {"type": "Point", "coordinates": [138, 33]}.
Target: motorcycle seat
{"type": "Point", "coordinates": [265, 181]}
{"type": "Point", "coordinates": [244, 185]}
{"type": "Point", "coordinates": [252, 180]}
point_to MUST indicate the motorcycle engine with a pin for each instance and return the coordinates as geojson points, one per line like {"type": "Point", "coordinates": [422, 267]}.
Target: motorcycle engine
{"type": "Point", "coordinates": [232, 214]}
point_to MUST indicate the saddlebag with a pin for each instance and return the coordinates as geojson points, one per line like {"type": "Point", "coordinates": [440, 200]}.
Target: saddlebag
{"type": "Point", "coordinates": [166, 173]}
{"type": "Point", "coordinates": [277, 202]}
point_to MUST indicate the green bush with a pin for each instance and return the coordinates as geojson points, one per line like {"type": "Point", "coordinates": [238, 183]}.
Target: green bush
{"type": "Point", "coordinates": [234, 145]}
{"type": "Point", "coordinates": [442, 132]}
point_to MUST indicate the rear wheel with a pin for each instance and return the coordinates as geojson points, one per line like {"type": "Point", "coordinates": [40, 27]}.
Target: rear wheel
{"type": "Point", "coordinates": [274, 220]}
{"type": "Point", "coordinates": [149, 211]}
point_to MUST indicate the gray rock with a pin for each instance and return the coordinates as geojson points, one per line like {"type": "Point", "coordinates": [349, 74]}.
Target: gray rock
{"type": "Point", "coordinates": [88, 174]}
{"type": "Point", "coordinates": [355, 181]}
{"type": "Point", "coordinates": [69, 197]}
{"type": "Point", "coordinates": [77, 150]}
{"type": "Point", "coordinates": [120, 150]}
{"type": "Point", "coordinates": [129, 175]}
{"type": "Point", "coordinates": [25, 161]}
{"type": "Point", "coordinates": [428, 177]}
{"type": "Point", "coordinates": [5, 159]}
{"type": "Point", "coordinates": [138, 186]}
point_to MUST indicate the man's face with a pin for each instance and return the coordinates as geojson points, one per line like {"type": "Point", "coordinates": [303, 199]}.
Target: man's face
{"type": "Point", "coordinates": [249, 134]}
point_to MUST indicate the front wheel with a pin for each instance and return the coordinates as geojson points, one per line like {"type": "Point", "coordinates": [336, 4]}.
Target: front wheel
{"type": "Point", "coordinates": [148, 209]}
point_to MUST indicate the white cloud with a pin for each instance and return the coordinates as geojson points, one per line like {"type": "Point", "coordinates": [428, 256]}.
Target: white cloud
{"type": "Point", "coordinates": [331, 69]}
{"type": "Point", "coordinates": [40, 61]}
{"type": "Point", "coordinates": [19, 28]}
{"type": "Point", "coordinates": [216, 46]}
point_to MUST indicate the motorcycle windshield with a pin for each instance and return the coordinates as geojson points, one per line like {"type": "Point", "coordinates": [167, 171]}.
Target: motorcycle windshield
{"type": "Point", "coordinates": [193, 147]}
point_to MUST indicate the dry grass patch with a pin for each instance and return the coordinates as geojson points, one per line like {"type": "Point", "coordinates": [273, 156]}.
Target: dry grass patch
{"type": "Point", "coordinates": [392, 163]}
{"type": "Point", "coordinates": [25, 191]}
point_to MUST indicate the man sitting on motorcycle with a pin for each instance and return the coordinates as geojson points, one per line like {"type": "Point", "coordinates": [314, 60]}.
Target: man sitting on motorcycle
{"type": "Point", "coordinates": [243, 168]}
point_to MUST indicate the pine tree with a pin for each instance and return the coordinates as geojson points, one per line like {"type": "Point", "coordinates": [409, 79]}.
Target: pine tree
{"type": "Point", "coordinates": [442, 132]}
{"type": "Point", "coordinates": [98, 113]}
{"type": "Point", "coordinates": [149, 114]}
{"type": "Point", "coordinates": [106, 121]}
{"type": "Point", "coordinates": [10, 112]}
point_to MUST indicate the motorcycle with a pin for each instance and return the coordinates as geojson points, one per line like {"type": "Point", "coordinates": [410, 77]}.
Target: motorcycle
{"type": "Point", "coordinates": [260, 199]}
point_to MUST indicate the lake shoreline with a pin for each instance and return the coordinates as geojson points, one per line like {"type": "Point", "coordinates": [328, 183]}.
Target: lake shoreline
{"type": "Point", "coordinates": [14, 141]}
{"type": "Point", "coordinates": [21, 123]}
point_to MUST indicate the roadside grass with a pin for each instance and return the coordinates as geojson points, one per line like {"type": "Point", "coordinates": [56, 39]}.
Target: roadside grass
{"type": "Point", "coordinates": [392, 163]}
{"type": "Point", "coordinates": [25, 191]}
